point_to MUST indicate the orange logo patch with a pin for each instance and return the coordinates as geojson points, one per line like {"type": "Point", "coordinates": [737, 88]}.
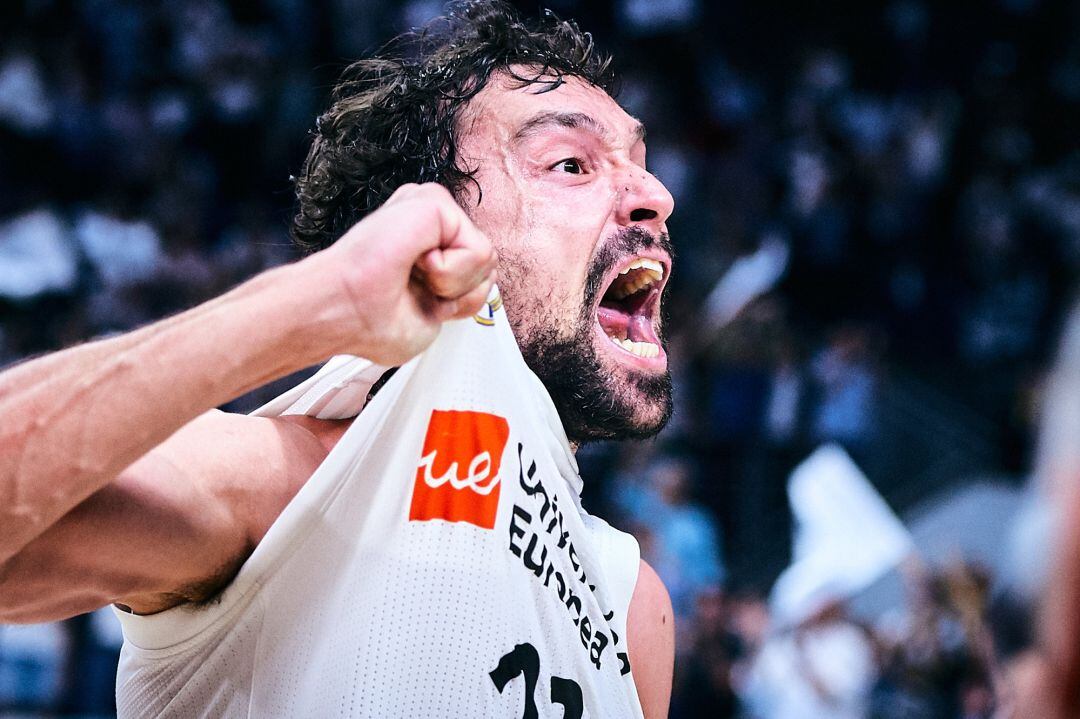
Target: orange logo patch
{"type": "Point", "coordinates": [457, 478]}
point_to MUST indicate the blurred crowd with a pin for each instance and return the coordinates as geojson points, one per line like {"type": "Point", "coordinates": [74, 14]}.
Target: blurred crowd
{"type": "Point", "coordinates": [959, 644]}
{"type": "Point", "coordinates": [878, 229]}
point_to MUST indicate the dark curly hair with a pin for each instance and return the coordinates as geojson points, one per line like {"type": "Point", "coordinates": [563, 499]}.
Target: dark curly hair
{"type": "Point", "coordinates": [393, 117]}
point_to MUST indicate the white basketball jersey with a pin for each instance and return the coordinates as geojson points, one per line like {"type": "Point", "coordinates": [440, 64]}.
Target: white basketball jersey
{"type": "Point", "coordinates": [437, 564]}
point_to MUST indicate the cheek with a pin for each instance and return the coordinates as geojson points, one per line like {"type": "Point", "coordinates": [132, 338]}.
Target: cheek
{"type": "Point", "coordinates": [499, 213]}
{"type": "Point", "coordinates": [546, 238]}
{"type": "Point", "coordinates": [541, 296]}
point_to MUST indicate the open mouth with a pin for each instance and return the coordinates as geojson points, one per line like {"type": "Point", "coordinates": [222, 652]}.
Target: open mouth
{"type": "Point", "coordinates": [627, 312]}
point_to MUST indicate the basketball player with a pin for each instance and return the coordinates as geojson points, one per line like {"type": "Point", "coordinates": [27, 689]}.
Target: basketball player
{"type": "Point", "coordinates": [495, 148]}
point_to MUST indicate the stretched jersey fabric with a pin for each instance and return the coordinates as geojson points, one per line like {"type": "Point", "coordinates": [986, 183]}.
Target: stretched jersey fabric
{"type": "Point", "coordinates": [437, 564]}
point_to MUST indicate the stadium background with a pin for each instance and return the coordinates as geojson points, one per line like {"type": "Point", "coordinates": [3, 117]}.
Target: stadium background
{"type": "Point", "coordinates": [905, 176]}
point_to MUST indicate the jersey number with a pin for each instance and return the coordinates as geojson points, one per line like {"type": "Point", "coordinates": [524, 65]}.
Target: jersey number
{"type": "Point", "coordinates": [524, 660]}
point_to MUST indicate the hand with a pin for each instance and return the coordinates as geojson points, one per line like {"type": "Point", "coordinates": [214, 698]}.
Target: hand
{"type": "Point", "coordinates": [403, 270]}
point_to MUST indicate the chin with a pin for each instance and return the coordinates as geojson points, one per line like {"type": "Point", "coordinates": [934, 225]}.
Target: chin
{"type": "Point", "coordinates": [600, 397]}
{"type": "Point", "coordinates": [607, 369]}
{"type": "Point", "coordinates": [597, 396]}
{"type": "Point", "coordinates": [641, 386]}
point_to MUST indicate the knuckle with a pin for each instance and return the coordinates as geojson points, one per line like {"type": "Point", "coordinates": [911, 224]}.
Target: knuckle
{"type": "Point", "coordinates": [438, 282]}
{"type": "Point", "coordinates": [435, 191]}
{"type": "Point", "coordinates": [419, 214]}
{"type": "Point", "coordinates": [402, 191]}
{"type": "Point", "coordinates": [443, 283]}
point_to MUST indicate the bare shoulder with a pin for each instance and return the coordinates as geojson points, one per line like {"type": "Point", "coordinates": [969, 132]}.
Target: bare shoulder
{"type": "Point", "coordinates": [175, 526]}
{"type": "Point", "coordinates": [650, 626]}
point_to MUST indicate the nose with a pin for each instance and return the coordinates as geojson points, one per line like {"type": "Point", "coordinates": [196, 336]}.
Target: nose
{"type": "Point", "coordinates": [643, 200]}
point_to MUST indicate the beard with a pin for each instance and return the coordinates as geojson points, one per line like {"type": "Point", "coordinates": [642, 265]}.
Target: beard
{"type": "Point", "coordinates": [598, 399]}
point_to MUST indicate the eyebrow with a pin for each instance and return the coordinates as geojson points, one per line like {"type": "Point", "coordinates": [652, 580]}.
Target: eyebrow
{"type": "Point", "coordinates": [572, 120]}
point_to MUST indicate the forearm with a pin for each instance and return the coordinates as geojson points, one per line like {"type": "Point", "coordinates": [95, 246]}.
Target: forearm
{"type": "Point", "coordinates": [71, 421]}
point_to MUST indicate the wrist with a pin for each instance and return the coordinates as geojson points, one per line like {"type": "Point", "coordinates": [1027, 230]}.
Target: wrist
{"type": "Point", "coordinates": [312, 314]}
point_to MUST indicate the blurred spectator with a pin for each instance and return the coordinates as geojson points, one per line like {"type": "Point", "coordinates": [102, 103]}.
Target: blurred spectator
{"type": "Point", "coordinates": [784, 422]}
{"type": "Point", "coordinates": [24, 103]}
{"type": "Point", "coordinates": [824, 668]}
{"type": "Point", "coordinates": [122, 252]}
{"type": "Point", "coordinates": [37, 256]}
{"type": "Point", "coordinates": [847, 382]}
{"type": "Point", "coordinates": [685, 540]}
{"type": "Point", "coordinates": [938, 662]}
{"type": "Point", "coordinates": [707, 658]}
{"type": "Point", "coordinates": [31, 666]}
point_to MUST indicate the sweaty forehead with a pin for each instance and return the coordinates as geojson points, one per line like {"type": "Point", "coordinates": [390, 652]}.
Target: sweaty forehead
{"type": "Point", "coordinates": [503, 111]}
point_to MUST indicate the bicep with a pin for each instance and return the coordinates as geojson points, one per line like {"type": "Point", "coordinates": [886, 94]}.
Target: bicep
{"type": "Point", "coordinates": [650, 628]}
{"type": "Point", "coordinates": [177, 521]}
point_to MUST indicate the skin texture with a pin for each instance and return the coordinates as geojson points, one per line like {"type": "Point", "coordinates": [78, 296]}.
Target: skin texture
{"type": "Point", "coordinates": [155, 504]}
{"type": "Point", "coordinates": [650, 627]}
{"type": "Point", "coordinates": [554, 197]}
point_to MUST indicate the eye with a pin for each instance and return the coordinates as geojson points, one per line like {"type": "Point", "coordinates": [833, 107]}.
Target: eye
{"type": "Point", "coordinates": [570, 165]}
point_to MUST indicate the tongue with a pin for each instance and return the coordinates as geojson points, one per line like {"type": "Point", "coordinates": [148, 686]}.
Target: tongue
{"type": "Point", "coordinates": [639, 329]}
{"type": "Point", "coordinates": [614, 322]}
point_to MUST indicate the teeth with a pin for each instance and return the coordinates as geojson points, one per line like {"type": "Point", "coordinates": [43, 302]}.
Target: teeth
{"type": "Point", "coordinates": [628, 288]}
{"type": "Point", "coordinates": [641, 349]}
{"type": "Point", "coordinates": [643, 279]}
{"type": "Point", "coordinates": [653, 267]}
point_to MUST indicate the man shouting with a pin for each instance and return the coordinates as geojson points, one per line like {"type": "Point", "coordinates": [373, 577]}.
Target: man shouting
{"type": "Point", "coordinates": [427, 556]}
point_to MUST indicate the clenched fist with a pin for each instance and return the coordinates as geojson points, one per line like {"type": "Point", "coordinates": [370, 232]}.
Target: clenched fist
{"type": "Point", "coordinates": [403, 270]}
